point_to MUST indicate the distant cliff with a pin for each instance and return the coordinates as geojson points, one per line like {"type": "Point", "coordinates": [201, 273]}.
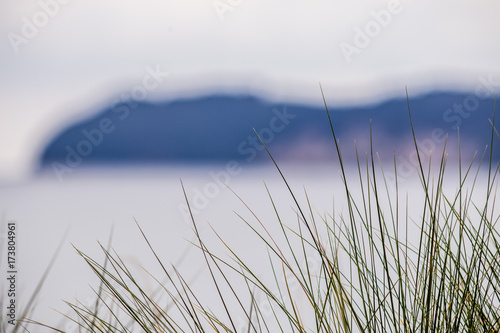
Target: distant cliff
{"type": "Point", "coordinates": [221, 128]}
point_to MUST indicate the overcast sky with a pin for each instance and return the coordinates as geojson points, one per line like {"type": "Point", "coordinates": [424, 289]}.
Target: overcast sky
{"type": "Point", "coordinates": [65, 58]}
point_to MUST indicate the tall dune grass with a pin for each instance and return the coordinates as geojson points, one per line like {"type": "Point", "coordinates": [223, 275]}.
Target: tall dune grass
{"type": "Point", "coordinates": [349, 272]}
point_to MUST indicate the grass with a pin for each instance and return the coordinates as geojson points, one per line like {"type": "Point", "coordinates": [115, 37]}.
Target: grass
{"type": "Point", "coordinates": [353, 271]}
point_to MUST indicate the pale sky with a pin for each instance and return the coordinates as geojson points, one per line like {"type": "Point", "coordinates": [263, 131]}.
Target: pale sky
{"type": "Point", "coordinates": [61, 59]}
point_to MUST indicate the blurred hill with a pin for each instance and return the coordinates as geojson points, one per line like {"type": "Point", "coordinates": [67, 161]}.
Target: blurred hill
{"type": "Point", "coordinates": [221, 128]}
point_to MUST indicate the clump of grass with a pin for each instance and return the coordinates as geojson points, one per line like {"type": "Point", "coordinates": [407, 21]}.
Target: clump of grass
{"type": "Point", "coordinates": [349, 272]}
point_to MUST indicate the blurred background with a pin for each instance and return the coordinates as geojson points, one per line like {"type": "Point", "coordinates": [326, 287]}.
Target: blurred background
{"type": "Point", "coordinates": [105, 104]}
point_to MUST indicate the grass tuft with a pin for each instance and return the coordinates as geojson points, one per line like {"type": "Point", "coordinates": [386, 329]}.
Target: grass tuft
{"type": "Point", "coordinates": [350, 272]}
